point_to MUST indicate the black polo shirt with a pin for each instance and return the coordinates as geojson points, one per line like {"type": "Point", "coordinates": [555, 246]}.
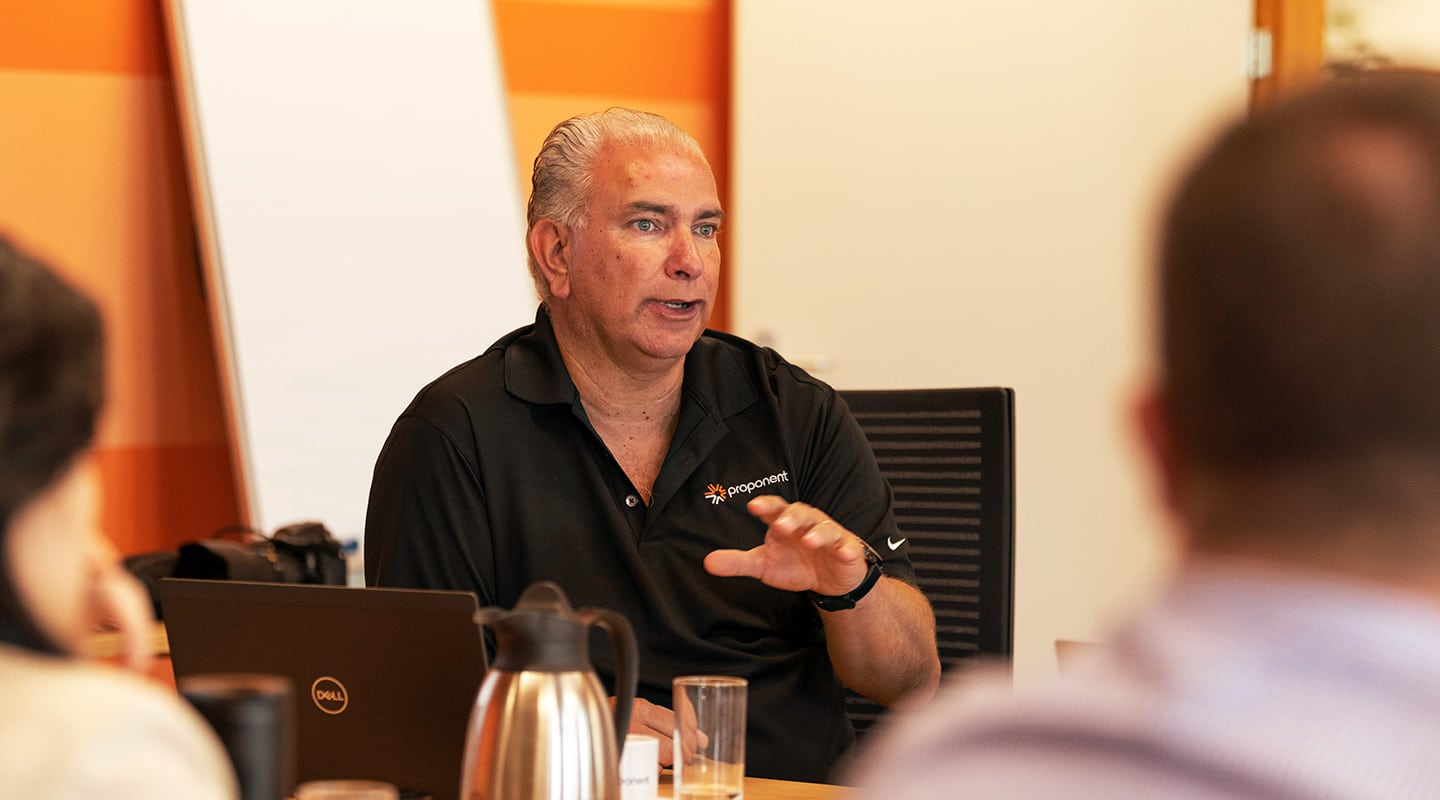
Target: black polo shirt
{"type": "Point", "coordinates": [493, 479]}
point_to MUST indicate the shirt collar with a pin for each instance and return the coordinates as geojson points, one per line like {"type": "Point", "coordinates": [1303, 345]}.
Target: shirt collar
{"type": "Point", "coordinates": [534, 370]}
{"type": "Point", "coordinates": [715, 376]}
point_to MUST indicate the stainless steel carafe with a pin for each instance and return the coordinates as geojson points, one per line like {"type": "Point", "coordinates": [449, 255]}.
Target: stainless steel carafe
{"type": "Point", "coordinates": [542, 728]}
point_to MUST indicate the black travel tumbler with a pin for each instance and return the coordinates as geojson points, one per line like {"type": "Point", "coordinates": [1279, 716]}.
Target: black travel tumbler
{"type": "Point", "coordinates": [254, 717]}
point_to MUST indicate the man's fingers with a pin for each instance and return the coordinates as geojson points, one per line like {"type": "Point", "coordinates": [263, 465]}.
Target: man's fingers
{"type": "Point", "coordinates": [798, 522]}
{"type": "Point", "coordinates": [767, 507]}
{"type": "Point", "coordinates": [657, 721]}
{"type": "Point", "coordinates": [733, 563]}
{"type": "Point", "coordinates": [118, 602]}
{"type": "Point", "coordinates": [692, 739]}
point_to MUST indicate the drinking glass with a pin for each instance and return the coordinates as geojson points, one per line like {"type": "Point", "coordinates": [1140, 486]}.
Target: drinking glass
{"type": "Point", "coordinates": [709, 737]}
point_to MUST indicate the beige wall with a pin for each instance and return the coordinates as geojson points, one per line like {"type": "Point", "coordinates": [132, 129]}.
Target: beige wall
{"type": "Point", "coordinates": [1403, 31]}
{"type": "Point", "coordinates": [959, 194]}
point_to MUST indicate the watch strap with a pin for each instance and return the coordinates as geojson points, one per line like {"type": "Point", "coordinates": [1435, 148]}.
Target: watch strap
{"type": "Point", "coordinates": [841, 602]}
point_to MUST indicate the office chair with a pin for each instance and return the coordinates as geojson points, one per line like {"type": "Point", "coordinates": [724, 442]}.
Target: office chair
{"type": "Point", "coordinates": [948, 455]}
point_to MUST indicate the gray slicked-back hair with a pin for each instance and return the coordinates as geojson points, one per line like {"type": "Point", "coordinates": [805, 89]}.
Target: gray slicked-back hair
{"type": "Point", "coordinates": [563, 176]}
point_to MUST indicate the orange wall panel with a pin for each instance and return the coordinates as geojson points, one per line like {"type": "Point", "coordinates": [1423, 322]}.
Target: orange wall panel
{"type": "Point", "coordinates": [92, 180]}
{"type": "Point", "coordinates": [94, 183]}
{"type": "Point", "coordinates": [112, 36]}
{"type": "Point", "coordinates": [671, 54]}
{"type": "Point", "coordinates": [157, 497]}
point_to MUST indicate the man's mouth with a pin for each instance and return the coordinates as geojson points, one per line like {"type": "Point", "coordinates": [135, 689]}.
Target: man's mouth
{"type": "Point", "coordinates": [679, 305]}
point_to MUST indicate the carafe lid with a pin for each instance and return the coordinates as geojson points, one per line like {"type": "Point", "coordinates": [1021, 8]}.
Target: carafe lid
{"type": "Point", "coordinates": [541, 633]}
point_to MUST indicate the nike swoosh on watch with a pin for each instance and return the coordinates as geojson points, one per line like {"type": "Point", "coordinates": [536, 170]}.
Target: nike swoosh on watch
{"type": "Point", "coordinates": [894, 545]}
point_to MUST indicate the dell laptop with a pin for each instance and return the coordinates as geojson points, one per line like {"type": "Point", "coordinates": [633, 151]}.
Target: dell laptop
{"type": "Point", "coordinates": [384, 679]}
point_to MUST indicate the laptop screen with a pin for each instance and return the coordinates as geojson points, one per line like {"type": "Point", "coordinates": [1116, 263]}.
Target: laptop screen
{"type": "Point", "coordinates": [384, 679]}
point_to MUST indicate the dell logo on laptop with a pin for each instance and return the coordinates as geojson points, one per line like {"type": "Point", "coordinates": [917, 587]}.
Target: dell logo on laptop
{"type": "Point", "coordinates": [329, 695]}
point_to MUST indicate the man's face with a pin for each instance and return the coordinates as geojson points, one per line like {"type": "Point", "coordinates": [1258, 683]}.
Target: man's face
{"type": "Point", "coordinates": [49, 549]}
{"type": "Point", "coordinates": [644, 266]}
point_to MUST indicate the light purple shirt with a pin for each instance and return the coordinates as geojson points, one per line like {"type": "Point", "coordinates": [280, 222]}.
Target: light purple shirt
{"type": "Point", "coordinates": [1233, 683]}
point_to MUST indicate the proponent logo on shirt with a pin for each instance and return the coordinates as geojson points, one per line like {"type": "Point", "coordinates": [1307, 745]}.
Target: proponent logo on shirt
{"type": "Point", "coordinates": [718, 493]}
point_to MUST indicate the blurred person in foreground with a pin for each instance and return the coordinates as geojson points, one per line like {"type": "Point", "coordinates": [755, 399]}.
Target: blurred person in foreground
{"type": "Point", "coordinates": [70, 729]}
{"type": "Point", "coordinates": [1294, 428]}
{"type": "Point", "coordinates": [650, 466]}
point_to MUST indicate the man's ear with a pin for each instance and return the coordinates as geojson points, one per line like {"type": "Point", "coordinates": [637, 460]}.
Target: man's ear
{"type": "Point", "coordinates": [1150, 418]}
{"type": "Point", "coordinates": [550, 244]}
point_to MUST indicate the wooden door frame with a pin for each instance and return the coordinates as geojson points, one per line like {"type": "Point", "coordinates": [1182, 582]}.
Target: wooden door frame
{"type": "Point", "coordinates": [1297, 35]}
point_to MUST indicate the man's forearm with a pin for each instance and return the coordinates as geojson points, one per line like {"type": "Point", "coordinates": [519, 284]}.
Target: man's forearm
{"type": "Point", "coordinates": [884, 647]}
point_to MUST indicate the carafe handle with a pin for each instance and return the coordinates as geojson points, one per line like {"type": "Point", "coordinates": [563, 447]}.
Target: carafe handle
{"type": "Point", "coordinates": [627, 659]}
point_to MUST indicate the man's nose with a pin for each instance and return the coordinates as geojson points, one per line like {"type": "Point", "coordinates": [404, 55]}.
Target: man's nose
{"type": "Point", "coordinates": [684, 259]}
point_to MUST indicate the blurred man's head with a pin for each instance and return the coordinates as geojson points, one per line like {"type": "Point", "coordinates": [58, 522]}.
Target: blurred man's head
{"type": "Point", "coordinates": [1300, 315]}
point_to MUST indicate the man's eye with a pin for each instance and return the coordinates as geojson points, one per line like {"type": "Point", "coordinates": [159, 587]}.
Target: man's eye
{"type": "Point", "coordinates": [645, 225]}
{"type": "Point", "coordinates": [707, 230]}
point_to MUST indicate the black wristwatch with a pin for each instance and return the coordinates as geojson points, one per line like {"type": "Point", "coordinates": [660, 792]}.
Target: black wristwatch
{"type": "Point", "coordinates": [840, 602]}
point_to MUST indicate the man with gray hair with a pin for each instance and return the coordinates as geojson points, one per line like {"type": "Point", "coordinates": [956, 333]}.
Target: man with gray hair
{"type": "Point", "coordinates": [642, 462]}
{"type": "Point", "coordinates": [1294, 428]}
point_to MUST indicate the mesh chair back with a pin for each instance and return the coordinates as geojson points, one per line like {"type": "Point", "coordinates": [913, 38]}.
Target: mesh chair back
{"type": "Point", "coordinates": [948, 455]}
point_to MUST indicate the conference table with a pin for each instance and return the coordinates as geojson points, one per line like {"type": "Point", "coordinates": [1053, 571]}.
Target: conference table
{"type": "Point", "coordinates": [766, 789]}
{"type": "Point", "coordinates": [106, 647]}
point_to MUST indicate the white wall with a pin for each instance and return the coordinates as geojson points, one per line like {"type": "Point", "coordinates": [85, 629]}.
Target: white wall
{"type": "Point", "coordinates": [937, 193]}
{"type": "Point", "coordinates": [1405, 31]}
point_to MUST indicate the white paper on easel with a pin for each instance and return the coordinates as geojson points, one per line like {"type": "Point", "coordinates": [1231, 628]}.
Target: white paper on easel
{"type": "Point", "coordinates": [361, 223]}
